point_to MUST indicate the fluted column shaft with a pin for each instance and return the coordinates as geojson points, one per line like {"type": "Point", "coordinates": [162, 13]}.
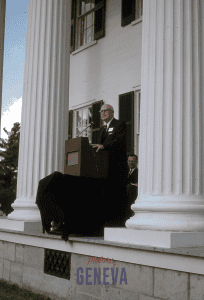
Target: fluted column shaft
{"type": "Point", "coordinates": [171, 154]}
{"type": "Point", "coordinates": [44, 125]}
{"type": "Point", "coordinates": [2, 36]}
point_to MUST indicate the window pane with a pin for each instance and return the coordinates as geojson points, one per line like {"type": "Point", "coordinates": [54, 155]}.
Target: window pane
{"type": "Point", "coordinates": [79, 118]}
{"type": "Point", "coordinates": [90, 114]}
{"type": "Point", "coordinates": [138, 8]}
{"type": "Point", "coordinates": [79, 34]}
{"type": "Point", "coordinates": [85, 117]}
{"type": "Point", "coordinates": [89, 20]}
{"type": "Point", "coordinates": [89, 33]}
{"type": "Point", "coordinates": [87, 5]}
{"type": "Point", "coordinates": [89, 134]}
{"type": "Point", "coordinates": [82, 7]}
{"type": "Point", "coordinates": [82, 31]}
{"type": "Point", "coordinates": [86, 31]}
{"type": "Point", "coordinates": [78, 130]}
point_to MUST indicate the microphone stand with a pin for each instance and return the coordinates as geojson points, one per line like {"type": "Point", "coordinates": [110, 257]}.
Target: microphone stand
{"type": "Point", "coordinates": [85, 128]}
{"type": "Point", "coordinates": [91, 147]}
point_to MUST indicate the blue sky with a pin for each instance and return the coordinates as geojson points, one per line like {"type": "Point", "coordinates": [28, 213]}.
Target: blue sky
{"type": "Point", "coordinates": [14, 59]}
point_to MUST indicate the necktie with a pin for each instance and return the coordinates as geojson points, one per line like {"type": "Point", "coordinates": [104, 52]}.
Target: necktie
{"type": "Point", "coordinates": [130, 171]}
{"type": "Point", "coordinates": [106, 128]}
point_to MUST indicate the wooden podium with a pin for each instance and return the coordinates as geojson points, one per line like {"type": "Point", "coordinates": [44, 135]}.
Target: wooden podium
{"type": "Point", "coordinates": [79, 158]}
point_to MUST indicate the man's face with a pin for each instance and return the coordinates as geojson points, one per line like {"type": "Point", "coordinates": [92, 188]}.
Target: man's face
{"type": "Point", "coordinates": [132, 162]}
{"type": "Point", "coordinates": [107, 115]}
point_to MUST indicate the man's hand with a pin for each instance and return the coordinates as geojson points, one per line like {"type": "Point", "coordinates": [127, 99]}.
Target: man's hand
{"type": "Point", "coordinates": [134, 184]}
{"type": "Point", "coordinates": [98, 146]}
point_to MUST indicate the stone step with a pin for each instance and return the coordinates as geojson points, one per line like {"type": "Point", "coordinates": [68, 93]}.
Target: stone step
{"type": "Point", "coordinates": [32, 227]}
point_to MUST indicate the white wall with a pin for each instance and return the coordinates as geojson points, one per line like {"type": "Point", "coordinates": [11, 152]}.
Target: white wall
{"type": "Point", "coordinates": [110, 67]}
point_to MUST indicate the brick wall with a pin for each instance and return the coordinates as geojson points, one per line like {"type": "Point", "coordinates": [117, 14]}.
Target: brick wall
{"type": "Point", "coordinates": [24, 265]}
{"type": "Point", "coordinates": [143, 283]}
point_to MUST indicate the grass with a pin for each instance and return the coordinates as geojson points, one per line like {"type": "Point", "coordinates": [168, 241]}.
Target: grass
{"type": "Point", "coordinates": [13, 292]}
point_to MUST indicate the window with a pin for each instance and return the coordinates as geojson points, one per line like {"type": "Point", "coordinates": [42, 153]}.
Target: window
{"type": "Point", "coordinates": [87, 22]}
{"type": "Point", "coordinates": [126, 114]}
{"type": "Point", "coordinates": [131, 10]}
{"type": "Point", "coordinates": [81, 118]}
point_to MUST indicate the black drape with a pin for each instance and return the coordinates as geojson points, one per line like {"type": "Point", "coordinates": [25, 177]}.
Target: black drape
{"type": "Point", "coordinates": [85, 204]}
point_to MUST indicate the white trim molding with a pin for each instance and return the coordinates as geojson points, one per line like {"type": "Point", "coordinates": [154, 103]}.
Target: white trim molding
{"type": "Point", "coordinates": [184, 260]}
{"type": "Point", "coordinates": [84, 47]}
{"type": "Point", "coordinates": [136, 21]}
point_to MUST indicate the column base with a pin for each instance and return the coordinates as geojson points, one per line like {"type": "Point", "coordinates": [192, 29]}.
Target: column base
{"type": "Point", "coordinates": [25, 209]}
{"type": "Point", "coordinates": [29, 227]}
{"type": "Point", "coordinates": [164, 239]}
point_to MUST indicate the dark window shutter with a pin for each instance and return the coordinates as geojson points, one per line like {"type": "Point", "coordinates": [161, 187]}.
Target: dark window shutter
{"type": "Point", "coordinates": [128, 12]}
{"type": "Point", "coordinates": [73, 25]}
{"type": "Point", "coordinates": [126, 114]}
{"type": "Point", "coordinates": [99, 24]}
{"type": "Point", "coordinates": [96, 118]}
{"type": "Point", "coordinates": [70, 124]}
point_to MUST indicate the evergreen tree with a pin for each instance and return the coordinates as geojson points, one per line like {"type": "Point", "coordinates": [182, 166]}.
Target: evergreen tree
{"type": "Point", "coordinates": [9, 167]}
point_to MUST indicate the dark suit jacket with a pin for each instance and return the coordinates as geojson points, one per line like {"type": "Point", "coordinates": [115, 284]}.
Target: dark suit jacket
{"type": "Point", "coordinates": [132, 190]}
{"type": "Point", "coordinates": [133, 178]}
{"type": "Point", "coordinates": [113, 158]}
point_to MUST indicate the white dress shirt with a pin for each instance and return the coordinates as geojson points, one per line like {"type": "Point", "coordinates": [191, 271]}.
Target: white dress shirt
{"type": "Point", "coordinates": [131, 170]}
{"type": "Point", "coordinates": [108, 124]}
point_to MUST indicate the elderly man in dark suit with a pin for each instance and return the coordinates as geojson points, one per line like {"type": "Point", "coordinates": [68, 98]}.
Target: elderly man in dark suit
{"type": "Point", "coordinates": [132, 187]}
{"type": "Point", "coordinates": [112, 163]}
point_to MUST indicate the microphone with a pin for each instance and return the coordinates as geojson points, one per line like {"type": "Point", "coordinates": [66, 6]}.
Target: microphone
{"type": "Point", "coordinates": [85, 128]}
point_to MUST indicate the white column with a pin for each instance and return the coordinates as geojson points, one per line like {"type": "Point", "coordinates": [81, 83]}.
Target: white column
{"type": "Point", "coordinates": [44, 124]}
{"type": "Point", "coordinates": [171, 154]}
{"type": "Point", "coordinates": [2, 36]}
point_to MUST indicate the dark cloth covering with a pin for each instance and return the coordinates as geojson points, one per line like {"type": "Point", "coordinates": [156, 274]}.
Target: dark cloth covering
{"type": "Point", "coordinates": [112, 161]}
{"type": "Point", "coordinates": [85, 205]}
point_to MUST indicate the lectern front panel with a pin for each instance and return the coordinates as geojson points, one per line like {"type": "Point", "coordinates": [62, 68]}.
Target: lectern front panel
{"type": "Point", "coordinates": [79, 158]}
{"type": "Point", "coordinates": [73, 158]}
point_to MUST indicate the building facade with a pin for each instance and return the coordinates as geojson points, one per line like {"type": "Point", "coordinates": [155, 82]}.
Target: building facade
{"type": "Point", "coordinates": [145, 58]}
{"type": "Point", "coordinates": [106, 67]}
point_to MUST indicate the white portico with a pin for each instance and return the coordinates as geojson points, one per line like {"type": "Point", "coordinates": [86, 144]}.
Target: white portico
{"type": "Point", "coordinates": [171, 184]}
{"type": "Point", "coordinates": [169, 210]}
{"type": "Point", "coordinates": [171, 181]}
